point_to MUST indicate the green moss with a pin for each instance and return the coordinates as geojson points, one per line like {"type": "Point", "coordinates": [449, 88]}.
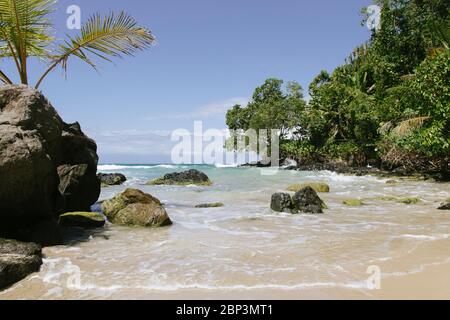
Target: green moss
{"type": "Point", "coordinates": [353, 202]}
{"type": "Point", "coordinates": [399, 200]}
{"type": "Point", "coordinates": [409, 200]}
{"type": "Point", "coordinates": [386, 198]}
{"type": "Point", "coordinates": [210, 205]}
{"type": "Point", "coordinates": [392, 182]}
{"type": "Point", "coordinates": [317, 186]}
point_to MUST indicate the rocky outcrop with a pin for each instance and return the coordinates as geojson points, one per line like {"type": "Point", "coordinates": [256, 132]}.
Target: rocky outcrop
{"type": "Point", "coordinates": [17, 261]}
{"type": "Point", "coordinates": [85, 220]}
{"type": "Point", "coordinates": [37, 150]}
{"type": "Point", "coordinates": [191, 177]}
{"type": "Point", "coordinates": [307, 201]}
{"type": "Point", "coordinates": [112, 179]}
{"type": "Point", "coordinates": [136, 208]}
{"type": "Point", "coordinates": [282, 202]}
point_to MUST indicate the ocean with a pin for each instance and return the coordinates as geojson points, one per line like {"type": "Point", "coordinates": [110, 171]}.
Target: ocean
{"type": "Point", "coordinates": [245, 250]}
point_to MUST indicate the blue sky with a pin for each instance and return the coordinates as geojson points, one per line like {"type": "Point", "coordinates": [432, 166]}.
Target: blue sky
{"type": "Point", "coordinates": [209, 55]}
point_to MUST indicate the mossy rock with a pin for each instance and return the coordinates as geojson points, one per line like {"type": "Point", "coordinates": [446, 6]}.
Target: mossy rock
{"type": "Point", "coordinates": [210, 205]}
{"type": "Point", "coordinates": [316, 186]}
{"type": "Point", "coordinates": [392, 182]}
{"type": "Point", "coordinates": [409, 200]}
{"type": "Point", "coordinates": [386, 198]}
{"type": "Point", "coordinates": [400, 200]}
{"type": "Point", "coordinates": [353, 202]}
{"type": "Point", "coordinates": [136, 208]}
{"type": "Point", "coordinates": [86, 220]}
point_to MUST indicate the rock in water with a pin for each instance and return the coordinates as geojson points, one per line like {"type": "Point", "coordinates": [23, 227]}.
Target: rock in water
{"type": "Point", "coordinates": [34, 143]}
{"type": "Point", "coordinates": [353, 202]}
{"type": "Point", "coordinates": [191, 177]}
{"type": "Point", "coordinates": [210, 205]}
{"type": "Point", "coordinates": [112, 179]}
{"type": "Point", "coordinates": [444, 206]}
{"type": "Point", "coordinates": [17, 261]}
{"type": "Point", "coordinates": [85, 220]}
{"type": "Point", "coordinates": [136, 208]}
{"type": "Point", "coordinates": [307, 201]}
{"type": "Point", "coordinates": [282, 202]}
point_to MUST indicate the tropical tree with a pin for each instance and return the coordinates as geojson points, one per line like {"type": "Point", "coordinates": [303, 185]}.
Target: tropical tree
{"type": "Point", "coordinates": [26, 32]}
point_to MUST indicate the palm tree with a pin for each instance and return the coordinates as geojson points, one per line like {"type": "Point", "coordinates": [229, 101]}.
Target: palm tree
{"type": "Point", "coordinates": [25, 32]}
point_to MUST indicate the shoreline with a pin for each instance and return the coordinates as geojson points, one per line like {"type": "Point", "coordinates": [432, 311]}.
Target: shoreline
{"type": "Point", "coordinates": [439, 177]}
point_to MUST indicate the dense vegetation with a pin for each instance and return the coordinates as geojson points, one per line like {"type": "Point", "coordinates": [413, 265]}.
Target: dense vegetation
{"type": "Point", "coordinates": [388, 105]}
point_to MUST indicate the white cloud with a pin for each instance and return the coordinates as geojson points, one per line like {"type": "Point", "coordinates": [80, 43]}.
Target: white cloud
{"type": "Point", "coordinates": [216, 109]}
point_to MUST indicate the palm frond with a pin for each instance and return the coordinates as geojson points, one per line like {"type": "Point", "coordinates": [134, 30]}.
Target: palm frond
{"type": "Point", "coordinates": [111, 37]}
{"type": "Point", "coordinates": [24, 30]}
{"type": "Point", "coordinates": [409, 126]}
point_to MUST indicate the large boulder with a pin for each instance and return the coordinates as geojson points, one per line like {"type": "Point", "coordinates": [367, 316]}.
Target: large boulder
{"type": "Point", "coordinates": [136, 208]}
{"type": "Point", "coordinates": [307, 201]}
{"type": "Point", "coordinates": [30, 143]}
{"type": "Point", "coordinates": [190, 177]}
{"type": "Point", "coordinates": [34, 143]}
{"type": "Point", "coordinates": [112, 179]}
{"type": "Point", "coordinates": [17, 261]}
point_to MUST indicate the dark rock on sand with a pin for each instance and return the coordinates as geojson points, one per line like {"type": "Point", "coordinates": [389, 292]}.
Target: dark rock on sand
{"type": "Point", "coordinates": [191, 177]}
{"type": "Point", "coordinates": [444, 206]}
{"type": "Point", "coordinates": [85, 220]}
{"type": "Point", "coordinates": [34, 143]}
{"type": "Point", "coordinates": [17, 261]}
{"type": "Point", "coordinates": [112, 179]}
{"type": "Point", "coordinates": [282, 202]}
{"type": "Point", "coordinates": [307, 201]}
{"type": "Point", "coordinates": [136, 208]}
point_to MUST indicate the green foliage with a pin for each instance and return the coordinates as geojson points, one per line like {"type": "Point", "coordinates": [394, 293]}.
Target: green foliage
{"type": "Point", "coordinates": [271, 108]}
{"type": "Point", "coordinates": [390, 101]}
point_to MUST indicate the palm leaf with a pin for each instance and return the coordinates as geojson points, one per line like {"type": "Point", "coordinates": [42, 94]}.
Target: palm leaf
{"type": "Point", "coordinates": [408, 126]}
{"type": "Point", "coordinates": [111, 37]}
{"type": "Point", "coordinates": [24, 30]}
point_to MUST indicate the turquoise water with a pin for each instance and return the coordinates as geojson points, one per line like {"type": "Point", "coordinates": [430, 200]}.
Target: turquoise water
{"type": "Point", "coordinates": [244, 248]}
